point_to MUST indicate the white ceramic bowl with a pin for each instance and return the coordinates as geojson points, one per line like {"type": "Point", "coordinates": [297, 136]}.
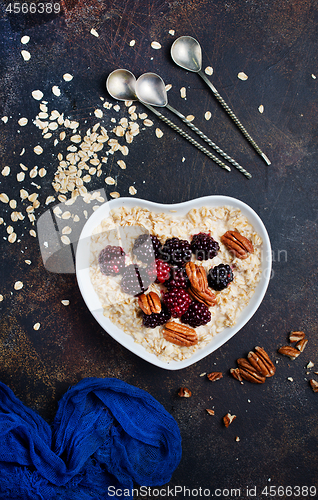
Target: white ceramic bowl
{"type": "Point", "coordinates": [94, 305]}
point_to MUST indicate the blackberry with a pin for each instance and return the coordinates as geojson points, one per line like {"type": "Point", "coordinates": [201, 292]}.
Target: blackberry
{"type": "Point", "coordinates": [111, 260]}
{"type": "Point", "coordinates": [135, 280]}
{"type": "Point", "coordinates": [162, 271]}
{"type": "Point", "coordinates": [177, 300]}
{"type": "Point", "coordinates": [219, 277]}
{"type": "Point", "coordinates": [176, 252]}
{"type": "Point", "coordinates": [204, 246]}
{"type": "Point", "coordinates": [197, 314]}
{"type": "Point", "coordinates": [156, 319]}
{"type": "Point", "coordinates": [178, 278]}
{"type": "Point", "coordinates": [146, 248]}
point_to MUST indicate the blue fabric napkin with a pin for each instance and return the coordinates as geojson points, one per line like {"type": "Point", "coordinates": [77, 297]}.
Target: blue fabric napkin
{"type": "Point", "coordinates": [106, 435]}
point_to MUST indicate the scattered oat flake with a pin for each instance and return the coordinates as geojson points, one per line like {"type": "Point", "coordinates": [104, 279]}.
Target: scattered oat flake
{"type": "Point", "coordinates": [171, 32]}
{"type": "Point", "coordinates": [183, 92]}
{"type": "Point", "coordinates": [190, 118]}
{"type": "Point", "coordinates": [26, 55]}
{"type": "Point", "coordinates": [207, 115]}
{"type": "Point", "coordinates": [5, 171]}
{"type": "Point", "coordinates": [94, 32]}
{"type": "Point", "coordinates": [110, 181]}
{"type": "Point", "coordinates": [1, 298]}
{"type": "Point", "coordinates": [27, 261]}
{"type": "Point", "coordinates": [22, 122]}
{"type": "Point", "coordinates": [114, 194]}
{"type": "Point", "coordinates": [159, 133]}
{"type": "Point", "coordinates": [65, 302]}
{"type": "Point", "coordinates": [242, 76]}
{"type": "Point", "coordinates": [37, 95]}
{"type": "Point", "coordinates": [25, 39]}
{"type": "Point", "coordinates": [67, 77]}
{"type": "Point", "coordinates": [12, 238]}
{"type": "Point", "coordinates": [5, 119]}
{"type": "Point", "coordinates": [132, 190]}
{"type": "Point", "coordinates": [208, 70]}
{"type": "Point", "coordinates": [18, 285]}
{"type": "Point", "coordinates": [36, 326]}
{"type": "Point", "coordinates": [98, 113]}
{"type": "Point", "coordinates": [147, 122]}
{"type": "Point", "coordinates": [56, 90]}
{"type": "Point", "coordinates": [261, 108]}
{"type": "Point", "coordinates": [65, 239]}
{"type": "Point", "coordinates": [132, 43]}
{"type": "Point", "coordinates": [32, 233]}
{"type": "Point", "coordinates": [38, 150]}
{"type": "Point", "coordinates": [121, 164]}
{"type": "Point", "coordinates": [313, 76]}
{"type": "Point", "coordinates": [20, 176]}
{"type": "Point", "coordinates": [156, 45]}
{"type": "Point", "coordinates": [310, 364]}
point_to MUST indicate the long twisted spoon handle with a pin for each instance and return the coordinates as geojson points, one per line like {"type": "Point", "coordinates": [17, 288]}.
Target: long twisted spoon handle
{"type": "Point", "coordinates": [210, 142]}
{"type": "Point", "coordinates": [234, 118]}
{"type": "Point", "coordinates": [188, 137]}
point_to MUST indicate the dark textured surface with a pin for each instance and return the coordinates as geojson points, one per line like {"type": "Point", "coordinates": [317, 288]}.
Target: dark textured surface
{"type": "Point", "coordinates": [275, 44]}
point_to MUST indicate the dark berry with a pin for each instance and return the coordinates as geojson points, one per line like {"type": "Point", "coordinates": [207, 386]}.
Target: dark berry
{"type": "Point", "coordinates": [111, 260]}
{"type": "Point", "coordinates": [156, 319]}
{"type": "Point", "coordinates": [176, 252]}
{"type": "Point", "coordinates": [156, 245]}
{"type": "Point", "coordinates": [204, 246]}
{"type": "Point", "coordinates": [197, 314]}
{"type": "Point", "coordinates": [178, 278]}
{"type": "Point", "coordinates": [143, 249]}
{"type": "Point", "coordinates": [220, 276]}
{"type": "Point", "coordinates": [162, 271]}
{"type": "Point", "coordinates": [135, 280]}
{"type": "Point", "coordinates": [177, 300]}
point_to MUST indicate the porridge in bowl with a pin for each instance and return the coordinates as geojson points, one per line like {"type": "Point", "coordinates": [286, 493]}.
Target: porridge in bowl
{"type": "Point", "coordinates": [173, 282]}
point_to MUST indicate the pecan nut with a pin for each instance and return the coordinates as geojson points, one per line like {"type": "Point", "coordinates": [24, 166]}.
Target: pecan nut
{"type": "Point", "coordinates": [313, 385]}
{"type": "Point", "coordinates": [301, 344]}
{"type": "Point", "coordinates": [249, 373]}
{"type": "Point", "coordinates": [149, 303]}
{"type": "Point", "coordinates": [179, 334]}
{"type": "Point", "coordinates": [237, 244]}
{"type": "Point", "coordinates": [296, 336]}
{"type": "Point", "coordinates": [214, 376]}
{"type": "Point", "coordinates": [288, 350]}
{"type": "Point", "coordinates": [184, 392]}
{"type": "Point", "coordinates": [199, 289]}
{"type": "Point", "coordinates": [228, 419]}
{"type": "Point", "coordinates": [261, 362]}
{"type": "Point", "coordinates": [235, 372]}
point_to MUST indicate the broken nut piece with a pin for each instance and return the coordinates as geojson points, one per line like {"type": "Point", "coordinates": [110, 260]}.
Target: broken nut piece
{"type": "Point", "coordinates": [214, 376]}
{"type": "Point", "coordinates": [235, 372]}
{"type": "Point", "coordinates": [149, 303]}
{"type": "Point", "coordinates": [313, 385]}
{"type": "Point", "coordinates": [210, 412]}
{"type": "Point", "coordinates": [184, 392]}
{"type": "Point", "coordinates": [179, 334]}
{"type": "Point", "coordinates": [228, 419]}
{"type": "Point", "coordinates": [301, 344]}
{"type": "Point", "coordinates": [289, 351]}
{"type": "Point", "coordinates": [237, 244]}
{"type": "Point", "coordinates": [296, 336]}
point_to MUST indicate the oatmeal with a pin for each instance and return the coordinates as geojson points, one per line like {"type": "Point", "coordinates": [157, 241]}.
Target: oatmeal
{"type": "Point", "coordinates": [123, 226]}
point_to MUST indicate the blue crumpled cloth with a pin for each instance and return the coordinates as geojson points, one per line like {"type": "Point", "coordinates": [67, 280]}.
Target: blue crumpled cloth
{"type": "Point", "coordinates": [106, 435]}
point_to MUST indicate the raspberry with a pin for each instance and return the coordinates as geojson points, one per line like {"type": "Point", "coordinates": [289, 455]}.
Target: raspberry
{"type": "Point", "coordinates": [204, 246]}
{"type": "Point", "coordinates": [177, 300]}
{"type": "Point", "coordinates": [197, 314]}
{"type": "Point", "coordinates": [162, 271]}
{"type": "Point", "coordinates": [176, 252]}
{"type": "Point", "coordinates": [178, 278]}
{"type": "Point", "coordinates": [135, 280]}
{"type": "Point", "coordinates": [219, 277]}
{"type": "Point", "coordinates": [156, 319]}
{"type": "Point", "coordinates": [111, 260]}
{"type": "Point", "coordinates": [146, 248]}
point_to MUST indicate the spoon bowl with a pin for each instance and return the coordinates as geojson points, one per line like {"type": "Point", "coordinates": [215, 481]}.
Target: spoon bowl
{"type": "Point", "coordinates": [186, 52]}
{"type": "Point", "coordinates": [150, 88]}
{"type": "Point", "coordinates": [121, 85]}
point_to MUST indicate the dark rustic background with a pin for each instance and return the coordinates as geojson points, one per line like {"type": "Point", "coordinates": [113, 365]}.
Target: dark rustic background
{"type": "Point", "coordinates": [275, 44]}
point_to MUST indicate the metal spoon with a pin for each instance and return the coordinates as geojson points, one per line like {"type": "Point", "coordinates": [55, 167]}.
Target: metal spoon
{"type": "Point", "coordinates": [121, 84]}
{"type": "Point", "coordinates": [150, 89]}
{"type": "Point", "coordinates": [186, 53]}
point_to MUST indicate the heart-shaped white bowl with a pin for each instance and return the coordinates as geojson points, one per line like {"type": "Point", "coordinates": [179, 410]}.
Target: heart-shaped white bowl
{"type": "Point", "coordinates": [93, 303]}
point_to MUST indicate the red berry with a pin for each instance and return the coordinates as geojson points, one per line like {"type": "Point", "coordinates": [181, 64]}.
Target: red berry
{"type": "Point", "coordinates": [177, 300]}
{"type": "Point", "coordinates": [163, 271]}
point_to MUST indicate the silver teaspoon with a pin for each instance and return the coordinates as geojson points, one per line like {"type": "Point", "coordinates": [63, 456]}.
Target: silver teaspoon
{"type": "Point", "coordinates": [186, 52]}
{"type": "Point", "coordinates": [150, 89]}
{"type": "Point", "coordinates": [121, 85]}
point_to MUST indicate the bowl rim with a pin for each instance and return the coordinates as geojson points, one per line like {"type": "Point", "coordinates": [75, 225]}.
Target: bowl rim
{"type": "Point", "coordinates": [90, 296]}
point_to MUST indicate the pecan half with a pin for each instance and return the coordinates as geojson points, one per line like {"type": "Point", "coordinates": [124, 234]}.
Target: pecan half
{"type": "Point", "coordinates": [313, 385]}
{"type": "Point", "coordinates": [249, 373]}
{"type": "Point", "coordinates": [199, 289]}
{"type": "Point", "coordinates": [237, 244]}
{"type": "Point", "coordinates": [228, 419]}
{"type": "Point", "coordinates": [179, 334]}
{"type": "Point", "coordinates": [296, 336]}
{"type": "Point", "coordinates": [265, 365]}
{"type": "Point", "coordinates": [214, 376]}
{"type": "Point", "coordinates": [288, 350]}
{"type": "Point", "coordinates": [184, 392]}
{"type": "Point", "coordinates": [149, 303]}
{"type": "Point", "coordinates": [301, 344]}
